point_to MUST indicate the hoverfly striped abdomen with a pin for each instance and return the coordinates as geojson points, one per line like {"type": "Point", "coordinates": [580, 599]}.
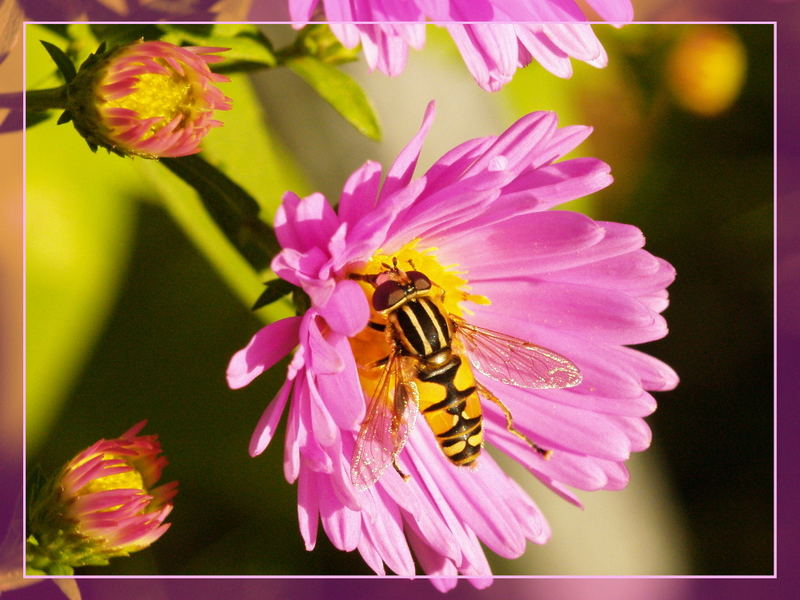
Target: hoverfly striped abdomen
{"type": "Point", "coordinates": [421, 329]}
{"type": "Point", "coordinates": [456, 420]}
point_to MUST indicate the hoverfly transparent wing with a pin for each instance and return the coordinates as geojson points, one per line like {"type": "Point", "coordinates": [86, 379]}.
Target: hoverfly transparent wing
{"type": "Point", "coordinates": [516, 362]}
{"type": "Point", "coordinates": [391, 414]}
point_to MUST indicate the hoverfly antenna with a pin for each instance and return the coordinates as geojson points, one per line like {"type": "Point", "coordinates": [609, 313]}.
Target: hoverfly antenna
{"type": "Point", "coordinates": [411, 262]}
{"type": "Point", "coordinates": [394, 263]}
{"type": "Point", "coordinates": [362, 277]}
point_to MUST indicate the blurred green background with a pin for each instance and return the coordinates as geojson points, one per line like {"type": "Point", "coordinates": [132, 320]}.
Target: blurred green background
{"type": "Point", "coordinates": [127, 319]}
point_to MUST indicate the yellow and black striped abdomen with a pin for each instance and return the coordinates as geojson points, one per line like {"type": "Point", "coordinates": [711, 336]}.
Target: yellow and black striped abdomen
{"type": "Point", "coordinates": [450, 403]}
{"type": "Point", "coordinates": [447, 394]}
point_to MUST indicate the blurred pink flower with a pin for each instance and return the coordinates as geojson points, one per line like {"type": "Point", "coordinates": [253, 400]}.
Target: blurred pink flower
{"type": "Point", "coordinates": [109, 491]}
{"type": "Point", "coordinates": [104, 503]}
{"type": "Point", "coordinates": [148, 99]}
{"type": "Point", "coordinates": [477, 223]}
{"type": "Point", "coordinates": [503, 35]}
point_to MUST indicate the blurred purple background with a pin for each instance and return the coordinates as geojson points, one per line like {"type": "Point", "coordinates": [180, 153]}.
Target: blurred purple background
{"type": "Point", "coordinates": [786, 13]}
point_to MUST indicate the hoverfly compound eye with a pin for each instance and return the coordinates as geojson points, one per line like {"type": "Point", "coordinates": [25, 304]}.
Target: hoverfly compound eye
{"type": "Point", "coordinates": [420, 280]}
{"type": "Point", "coordinates": [387, 295]}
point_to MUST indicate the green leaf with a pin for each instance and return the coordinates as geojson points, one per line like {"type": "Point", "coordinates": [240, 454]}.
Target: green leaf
{"type": "Point", "coordinates": [34, 118]}
{"type": "Point", "coordinates": [276, 289]}
{"type": "Point", "coordinates": [246, 43]}
{"type": "Point", "coordinates": [340, 91]}
{"type": "Point", "coordinates": [233, 209]}
{"type": "Point", "coordinates": [60, 569]}
{"type": "Point", "coordinates": [63, 62]}
{"type": "Point", "coordinates": [117, 34]}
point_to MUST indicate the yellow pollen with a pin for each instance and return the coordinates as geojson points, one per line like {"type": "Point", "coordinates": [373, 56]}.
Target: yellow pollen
{"type": "Point", "coordinates": [130, 480]}
{"type": "Point", "coordinates": [447, 277]}
{"type": "Point", "coordinates": [159, 95]}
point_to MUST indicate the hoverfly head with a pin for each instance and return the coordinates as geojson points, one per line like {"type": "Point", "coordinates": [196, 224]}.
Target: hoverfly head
{"type": "Point", "coordinates": [388, 294]}
{"type": "Point", "coordinates": [419, 280]}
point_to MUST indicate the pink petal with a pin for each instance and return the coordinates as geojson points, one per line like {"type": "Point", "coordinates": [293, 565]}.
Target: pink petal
{"type": "Point", "coordinates": [347, 310]}
{"type": "Point", "coordinates": [308, 507]}
{"type": "Point", "coordinates": [302, 269]}
{"type": "Point", "coordinates": [386, 532]}
{"type": "Point", "coordinates": [655, 374]}
{"type": "Point", "coordinates": [360, 192]}
{"type": "Point", "coordinates": [560, 427]}
{"type": "Point", "coordinates": [520, 143]}
{"type": "Point", "coordinates": [467, 492]}
{"type": "Point", "coordinates": [370, 554]}
{"type": "Point", "coordinates": [489, 52]}
{"type": "Point", "coordinates": [304, 223]}
{"type": "Point", "coordinates": [302, 10]}
{"type": "Point", "coordinates": [546, 187]}
{"type": "Point", "coordinates": [265, 348]}
{"type": "Point", "coordinates": [600, 315]}
{"type": "Point", "coordinates": [564, 467]}
{"type": "Point", "coordinates": [268, 422]}
{"type": "Point", "coordinates": [344, 388]}
{"type": "Point", "coordinates": [547, 240]}
{"type": "Point", "coordinates": [452, 165]}
{"type": "Point", "coordinates": [560, 10]}
{"type": "Point", "coordinates": [402, 169]}
{"type": "Point", "coordinates": [324, 357]}
{"type": "Point", "coordinates": [543, 50]}
{"type": "Point", "coordinates": [562, 142]}
{"type": "Point", "coordinates": [463, 199]}
{"type": "Point", "coordinates": [616, 11]}
{"type": "Point", "coordinates": [576, 39]}
{"type": "Point", "coordinates": [441, 570]}
{"type": "Point", "coordinates": [341, 524]}
{"type": "Point", "coordinates": [292, 440]}
{"type": "Point", "coordinates": [325, 432]}
{"type": "Point", "coordinates": [383, 50]}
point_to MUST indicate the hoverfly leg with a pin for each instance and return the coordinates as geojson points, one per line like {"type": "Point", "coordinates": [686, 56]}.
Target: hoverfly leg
{"type": "Point", "coordinates": [370, 279]}
{"type": "Point", "coordinates": [381, 362]}
{"type": "Point", "coordinates": [397, 468]}
{"type": "Point", "coordinates": [377, 326]}
{"type": "Point", "coordinates": [441, 289]}
{"type": "Point", "coordinates": [546, 454]}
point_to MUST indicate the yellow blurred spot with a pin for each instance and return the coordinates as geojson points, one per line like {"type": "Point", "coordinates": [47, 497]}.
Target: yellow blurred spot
{"type": "Point", "coordinates": [706, 69]}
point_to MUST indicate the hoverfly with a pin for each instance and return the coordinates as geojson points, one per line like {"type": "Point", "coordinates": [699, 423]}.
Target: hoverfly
{"type": "Point", "coordinates": [426, 371]}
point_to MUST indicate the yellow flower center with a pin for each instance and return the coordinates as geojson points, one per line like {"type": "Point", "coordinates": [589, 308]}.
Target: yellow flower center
{"type": "Point", "coordinates": [129, 480]}
{"type": "Point", "coordinates": [371, 345]}
{"type": "Point", "coordinates": [159, 95]}
{"type": "Point", "coordinates": [447, 277]}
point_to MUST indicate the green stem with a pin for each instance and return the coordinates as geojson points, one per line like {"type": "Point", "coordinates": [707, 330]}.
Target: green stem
{"type": "Point", "coordinates": [234, 210]}
{"type": "Point", "coordinates": [46, 99]}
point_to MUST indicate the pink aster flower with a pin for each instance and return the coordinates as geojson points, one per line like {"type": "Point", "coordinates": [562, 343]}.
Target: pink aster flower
{"type": "Point", "coordinates": [495, 37]}
{"type": "Point", "coordinates": [104, 503]}
{"type": "Point", "coordinates": [148, 99]}
{"type": "Point", "coordinates": [478, 225]}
